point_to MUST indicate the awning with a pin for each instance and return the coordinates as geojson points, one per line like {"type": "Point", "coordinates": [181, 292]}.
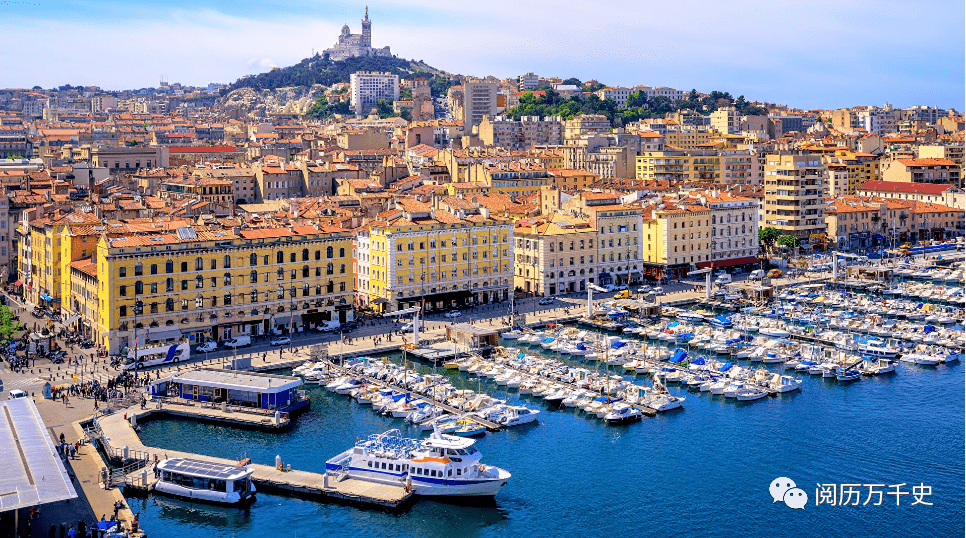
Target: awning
{"type": "Point", "coordinates": [729, 263]}
{"type": "Point", "coordinates": [18, 283]}
{"type": "Point", "coordinates": [379, 300]}
{"type": "Point", "coordinates": [71, 319]}
{"type": "Point", "coordinates": [46, 297]}
{"type": "Point", "coordinates": [169, 332]}
{"type": "Point", "coordinates": [283, 321]}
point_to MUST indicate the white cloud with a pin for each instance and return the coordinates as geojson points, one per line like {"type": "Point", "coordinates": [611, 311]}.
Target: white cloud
{"type": "Point", "coordinates": [817, 53]}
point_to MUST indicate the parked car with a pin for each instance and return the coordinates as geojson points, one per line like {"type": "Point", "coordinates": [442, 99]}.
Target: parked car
{"type": "Point", "coordinates": [207, 347]}
{"type": "Point", "coordinates": [546, 300]}
{"type": "Point", "coordinates": [16, 393]}
{"type": "Point", "coordinates": [644, 289]}
{"type": "Point", "coordinates": [407, 327]}
{"type": "Point", "coordinates": [620, 287]}
{"type": "Point", "coordinates": [723, 279]}
{"type": "Point", "coordinates": [239, 341]}
{"type": "Point", "coordinates": [757, 274]}
{"type": "Point", "coordinates": [610, 287]}
{"type": "Point", "coordinates": [623, 294]}
{"type": "Point", "coordinates": [281, 341]}
{"type": "Point", "coordinates": [658, 290]}
{"type": "Point", "coordinates": [775, 273]}
{"type": "Point", "coordinates": [453, 314]}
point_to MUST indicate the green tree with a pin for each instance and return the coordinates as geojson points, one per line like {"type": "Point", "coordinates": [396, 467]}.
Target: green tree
{"type": "Point", "coordinates": [8, 325]}
{"type": "Point", "coordinates": [574, 81]}
{"type": "Point", "coordinates": [405, 93]}
{"type": "Point", "coordinates": [789, 241]}
{"type": "Point", "coordinates": [767, 237]}
{"type": "Point", "coordinates": [384, 108]}
{"type": "Point", "coordinates": [321, 109]}
{"type": "Point", "coordinates": [637, 100]}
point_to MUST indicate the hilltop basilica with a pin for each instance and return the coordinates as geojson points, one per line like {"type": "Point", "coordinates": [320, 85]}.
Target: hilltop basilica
{"type": "Point", "coordinates": [352, 45]}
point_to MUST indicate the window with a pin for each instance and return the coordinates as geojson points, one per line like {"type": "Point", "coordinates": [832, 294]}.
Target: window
{"type": "Point", "coordinates": [305, 254]}
{"type": "Point", "coordinates": [123, 291]}
{"type": "Point", "coordinates": [169, 267]}
{"type": "Point", "coordinates": [199, 264]}
{"type": "Point", "coordinates": [214, 264]}
{"type": "Point", "coordinates": [228, 298]}
{"type": "Point", "coordinates": [138, 269]}
{"type": "Point", "coordinates": [169, 305]}
{"type": "Point", "coordinates": [154, 268]}
{"type": "Point", "coordinates": [253, 259]}
{"type": "Point", "coordinates": [199, 282]}
{"type": "Point", "coordinates": [122, 271]}
{"type": "Point", "coordinates": [280, 273]}
{"type": "Point", "coordinates": [227, 278]}
{"type": "Point", "coordinates": [184, 267]}
{"type": "Point", "coordinates": [291, 257]}
{"type": "Point", "coordinates": [305, 271]}
{"type": "Point", "coordinates": [227, 262]}
{"type": "Point", "coordinates": [280, 257]}
{"type": "Point", "coordinates": [342, 253]}
{"type": "Point", "coordinates": [328, 252]}
{"type": "Point", "coordinates": [122, 311]}
{"type": "Point", "coordinates": [169, 284]}
{"type": "Point", "coordinates": [184, 284]}
{"type": "Point", "coordinates": [138, 288]}
{"type": "Point", "coordinates": [329, 268]}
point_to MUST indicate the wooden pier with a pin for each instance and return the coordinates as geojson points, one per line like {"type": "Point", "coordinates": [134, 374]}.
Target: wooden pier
{"type": "Point", "coordinates": [118, 435]}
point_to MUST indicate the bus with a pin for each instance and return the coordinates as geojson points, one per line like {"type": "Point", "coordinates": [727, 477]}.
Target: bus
{"type": "Point", "coordinates": [157, 356]}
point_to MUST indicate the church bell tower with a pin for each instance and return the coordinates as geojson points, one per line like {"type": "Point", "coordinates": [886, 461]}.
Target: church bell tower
{"type": "Point", "coordinates": [366, 30]}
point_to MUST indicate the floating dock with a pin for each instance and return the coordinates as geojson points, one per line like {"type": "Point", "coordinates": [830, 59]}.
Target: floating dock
{"type": "Point", "coordinates": [117, 432]}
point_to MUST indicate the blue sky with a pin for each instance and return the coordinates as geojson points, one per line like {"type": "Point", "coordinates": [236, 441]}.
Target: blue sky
{"type": "Point", "coordinates": [810, 54]}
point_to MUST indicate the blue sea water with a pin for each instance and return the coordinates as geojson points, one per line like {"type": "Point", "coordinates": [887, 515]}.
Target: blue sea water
{"type": "Point", "coordinates": [703, 470]}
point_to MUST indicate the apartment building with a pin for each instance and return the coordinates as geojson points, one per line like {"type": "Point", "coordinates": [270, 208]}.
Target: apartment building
{"type": "Point", "coordinates": [554, 257]}
{"type": "Point", "coordinates": [795, 188]}
{"type": "Point", "coordinates": [619, 227]}
{"type": "Point", "coordinates": [679, 166]}
{"type": "Point", "coordinates": [927, 170]}
{"type": "Point", "coordinates": [366, 89]}
{"type": "Point", "coordinates": [521, 134]}
{"type": "Point", "coordinates": [198, 284]}
{"type": "Point", "coordinates": [618, 95]}
{"type": "Point", "coordinates": [416, 254]}
{"type": "Point", "coordinates": [479, 101]}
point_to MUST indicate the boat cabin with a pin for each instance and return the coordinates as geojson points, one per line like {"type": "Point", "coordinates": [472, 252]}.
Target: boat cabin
{"type": "Point", "coordinates": [204, 480]}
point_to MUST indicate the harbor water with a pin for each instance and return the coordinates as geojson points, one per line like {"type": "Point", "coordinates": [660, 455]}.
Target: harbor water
{"type": "Point", "coordinates": [703, 470]}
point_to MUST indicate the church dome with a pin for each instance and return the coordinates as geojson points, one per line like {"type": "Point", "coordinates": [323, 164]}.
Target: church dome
{"type": "Point", "coordinates": [345, 29]}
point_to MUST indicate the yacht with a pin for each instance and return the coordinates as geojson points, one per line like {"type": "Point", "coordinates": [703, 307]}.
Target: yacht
{"type": "Point", "coordinates": [922, 359]}
{"type": "Point", "coordinates": [200, 480]}
{"type": "Point", "coordinates": [442, 465]}
{"type": "Point", "coordinates": [515, 416]}
{"type": "Point", "coordinates": [622, 413]}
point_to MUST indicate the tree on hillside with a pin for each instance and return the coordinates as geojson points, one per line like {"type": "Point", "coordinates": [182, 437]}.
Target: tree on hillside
{"type": "Point", "coordinates": [574, 81]}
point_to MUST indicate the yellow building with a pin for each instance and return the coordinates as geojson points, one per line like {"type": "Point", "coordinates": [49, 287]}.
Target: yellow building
{"type": "Point", "coordinates": [679, 166]}
{"type": "Point", "coordinates": [518, 178]}
{"type": "Point", "coordinates": [418, 255]}
{"type": "Point", "coordinates": [689, 138]}
{"type": "Point", "coordinates": [199, 284]}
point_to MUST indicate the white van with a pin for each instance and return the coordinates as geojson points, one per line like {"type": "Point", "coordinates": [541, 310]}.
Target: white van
{"type": "Point", "coordinates": [723, 279]}
{"type": "Point", "coordinates": [239, 341]}
{"type": "Point", "coordinates": [757, 274]}
{"type": "Point", "coordinates": [328, 326]}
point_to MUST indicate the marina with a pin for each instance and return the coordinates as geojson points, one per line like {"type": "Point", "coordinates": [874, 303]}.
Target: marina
{"type": "Point", "coordinates": [691, 363]}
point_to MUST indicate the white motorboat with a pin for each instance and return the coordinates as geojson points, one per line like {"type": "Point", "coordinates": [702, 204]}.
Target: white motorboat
{"type": "Point", "coordinates": [921, 359]}
{"type": "Point", "coordinates": [750, 393]}
{"type": "Point", "coordinates": [622, 413]}
{"type": "Point", "coordinates": [442, 465]}
{"type": "Point", "coordinates": [515, 416]}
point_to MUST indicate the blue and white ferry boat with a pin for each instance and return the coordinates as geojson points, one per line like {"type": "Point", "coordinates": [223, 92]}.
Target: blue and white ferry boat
{"type": "Point", "coordinates": [442, 465]}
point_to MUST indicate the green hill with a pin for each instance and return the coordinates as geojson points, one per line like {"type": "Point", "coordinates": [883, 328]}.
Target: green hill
{"type": "Point", "coordinates": [321, 70]}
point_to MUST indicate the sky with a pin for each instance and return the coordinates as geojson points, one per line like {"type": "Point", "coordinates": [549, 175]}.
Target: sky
{"type": "Point", "coordinates": [807, 54]}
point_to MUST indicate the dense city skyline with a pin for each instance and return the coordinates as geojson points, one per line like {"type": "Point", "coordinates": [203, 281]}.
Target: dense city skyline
{"type": "Point", "coordinates": [837, 56]}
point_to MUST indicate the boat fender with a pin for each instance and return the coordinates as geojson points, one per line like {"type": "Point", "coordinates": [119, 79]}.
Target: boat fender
{"type": "Point", "coordinates": [482, 467]}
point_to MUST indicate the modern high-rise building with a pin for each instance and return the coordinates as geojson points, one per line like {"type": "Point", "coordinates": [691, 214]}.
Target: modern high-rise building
{"type": "Point", "coordinates": [479, 101]}
{"type": "Point", "coordinates": [794, 195]}
{"type": "Point", "coordinates": [366, 89]}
